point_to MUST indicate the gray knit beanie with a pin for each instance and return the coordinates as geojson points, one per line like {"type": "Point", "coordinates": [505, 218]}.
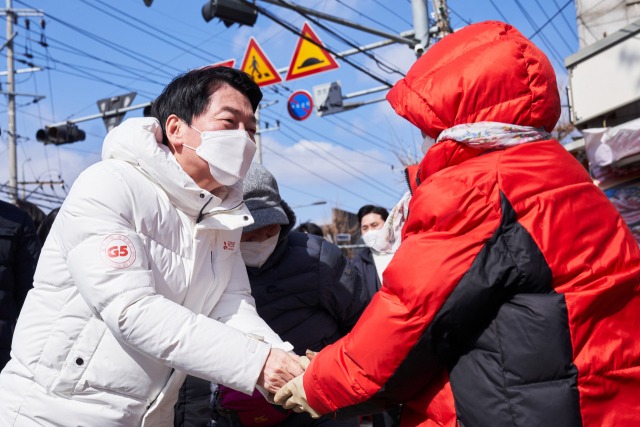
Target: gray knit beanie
{"type": "Point", "coordinates": [262, 197]}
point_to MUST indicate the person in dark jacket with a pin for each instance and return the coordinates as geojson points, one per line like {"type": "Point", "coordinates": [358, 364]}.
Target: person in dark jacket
{"type": "Point", "coordinates": [310, 228]}
{"type": "Point", "coordinates": [19, 252]}
{"type": "Point", "coordinates": [371, 219]}
{"type": "Point", "coordinates": [304, 288]}
{"type": "Point", "coordinates": [36, 214]}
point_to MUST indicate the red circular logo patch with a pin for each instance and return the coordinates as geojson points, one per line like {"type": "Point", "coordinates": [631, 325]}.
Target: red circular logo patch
{"type": "Point", "coordinates": [117, 251]}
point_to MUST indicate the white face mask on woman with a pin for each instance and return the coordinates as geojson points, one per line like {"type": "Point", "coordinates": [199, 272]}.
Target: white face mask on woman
{"type": "Point", "coordinates": [228, 152]}
{"type": "Point", "coordinates": [255, 254]}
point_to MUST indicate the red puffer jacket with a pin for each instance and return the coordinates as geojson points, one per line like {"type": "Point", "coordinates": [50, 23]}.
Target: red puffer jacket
{"type": "Point", "coordinates": [513, 299]}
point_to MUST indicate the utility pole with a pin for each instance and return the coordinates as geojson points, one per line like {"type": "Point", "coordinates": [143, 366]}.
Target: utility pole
{"type": "Point", "coordinates": [420, 12]}
{"type": "Point", "coordinates": [11, 93]}
{"type": "Point", "coordinates": [442, 17]}
{"type": "Point", "coordinates": [13, 155]}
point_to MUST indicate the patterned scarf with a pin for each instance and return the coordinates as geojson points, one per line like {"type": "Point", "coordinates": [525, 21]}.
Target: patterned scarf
{"type": "Point", "coordinates": [489, 135]}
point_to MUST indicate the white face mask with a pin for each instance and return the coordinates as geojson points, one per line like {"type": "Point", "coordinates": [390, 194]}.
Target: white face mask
{"type": "Point", "coordinates": [255, 254]}
{"type": "Point", "coordinates": [427, 142]}
{"type": "Point", "coordinates": [228, 152]}
{"type": "Point", "coordinates": [370, 237]}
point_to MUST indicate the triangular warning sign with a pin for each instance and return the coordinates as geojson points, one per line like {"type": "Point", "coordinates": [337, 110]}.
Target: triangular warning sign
{"type": "Point", "coordinates": [309, 58]}
{"type": "Point", "coordinates": [258, 66]}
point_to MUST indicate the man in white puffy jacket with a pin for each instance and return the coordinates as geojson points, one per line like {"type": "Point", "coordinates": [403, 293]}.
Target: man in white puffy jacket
{"type": "Point", "coordinates": [141, 281]}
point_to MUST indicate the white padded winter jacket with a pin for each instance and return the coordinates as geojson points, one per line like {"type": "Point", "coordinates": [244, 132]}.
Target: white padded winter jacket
{"type": "Point", "coordinates": [132, 293]}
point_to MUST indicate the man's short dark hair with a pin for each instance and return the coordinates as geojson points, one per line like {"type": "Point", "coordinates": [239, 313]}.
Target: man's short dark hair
{"type": "Point", "coordinates": [188, 95]}
{"type": "Point", "coordinates": [310, 228]}
{"type": "Point", "coordinates": [367, 209]}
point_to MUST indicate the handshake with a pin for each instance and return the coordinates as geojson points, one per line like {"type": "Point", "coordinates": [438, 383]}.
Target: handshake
{"type": "Point", "coordinates": [282, 376]}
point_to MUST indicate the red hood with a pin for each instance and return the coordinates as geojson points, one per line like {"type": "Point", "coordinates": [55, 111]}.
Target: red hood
{"type": "Point", "coordinates": [485, 72]}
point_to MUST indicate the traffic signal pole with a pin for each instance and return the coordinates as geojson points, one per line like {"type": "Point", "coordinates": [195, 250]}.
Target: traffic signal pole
{"type": "Point", "coordinates": [13, 155]}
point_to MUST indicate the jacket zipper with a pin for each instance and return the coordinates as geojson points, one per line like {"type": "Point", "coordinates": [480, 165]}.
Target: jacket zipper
{"type": "Point", "coordinates": [201, 216]}
{"type": "Point", "coordinates": [406, 178]}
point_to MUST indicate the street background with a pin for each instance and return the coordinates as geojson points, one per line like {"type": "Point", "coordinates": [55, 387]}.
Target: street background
{"type": "Point", "coordinates": [99, 48]}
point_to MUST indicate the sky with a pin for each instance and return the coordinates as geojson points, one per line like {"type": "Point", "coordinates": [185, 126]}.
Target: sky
{"type": "Point", "coordinates": [103, 48]}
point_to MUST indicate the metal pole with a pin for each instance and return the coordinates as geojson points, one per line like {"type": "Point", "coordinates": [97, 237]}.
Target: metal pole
{"type": "Point", "coordinates": [442, 17]}
{"type": "Point", "coordinates": [420, 12]}
{"type": "Point", "coordinates": [101, 115]}
{"type": "Point", "coordinates": [258, 137]}
{"type": "Point", "coordinates": [13, 158]}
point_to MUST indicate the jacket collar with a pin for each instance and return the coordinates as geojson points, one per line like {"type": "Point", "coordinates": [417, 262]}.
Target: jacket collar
{"type": "Point", "coordinates": [134, 142]}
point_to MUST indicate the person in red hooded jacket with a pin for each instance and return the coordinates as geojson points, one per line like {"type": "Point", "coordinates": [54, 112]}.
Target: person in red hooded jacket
{"type": "Point", "coordinates": [513, 299]}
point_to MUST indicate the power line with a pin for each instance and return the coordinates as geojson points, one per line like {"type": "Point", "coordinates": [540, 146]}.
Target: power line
{"type": "Point", "coordinates": [360, 178]}
{"type": "Point", "coordinates": [118, 48]}
{"type": "Point", "coordinates": [466, 21]}
{"type": "Point", "coordinates": [392, 12]}
{"type": "Point", "coordinates": [571, 29]}
{"type": "Point", "coordinates": [550, 21]}
{"type": "Point", "coordinates": [317, 175]}
{"type": "Point", "coordinates": [367, 17]}
{"type": "Point", "coordinates": [380, 187]}
{"type": "Point", "coordinates": [548, 45]}
{"type": "Point", "coordinates": [339, 143]}
{"type": "Point", "coordinates": [504, 18]}
{"type": "Point", "coordinates": [150, 27]}
{"type": "Point", "coordinates": [361, 130]}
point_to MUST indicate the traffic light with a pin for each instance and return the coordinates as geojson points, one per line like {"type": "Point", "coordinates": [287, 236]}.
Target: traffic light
{"type": "Point", "coordinates": [148, 2]}
{"type": "Point", "coordinates": [230, 12]}
{"type": "Point", "coordinates": [59, 135]}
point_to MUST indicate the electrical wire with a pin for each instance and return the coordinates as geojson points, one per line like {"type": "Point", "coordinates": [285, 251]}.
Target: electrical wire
{"type": "Point", "coordinates": [358, 177]}
{"type": "Point", "coordinates": [339, 143]}
{"type": "Point", "coordinates": [504, 18]}
{"type": "Point", "coordinates": [466, 21]}
{"type": "Point", "coordinates": [137, 56]}
{"type": "Point", "coordinates": [151, 28]}
{"type": "Point", "coordinates": [367, 17]}
{"type": "Point", "coordinates": [550, 48]}
{"type": "Point", "coordinates": [550, 21]}
{"type": "Point", "coordinates": [572, 30]}
{"type": "Point", "coordinates": [392, 12]}
{"type": "Point", "coordinates": [363, 177]}
{"type": "Point", "coordinates": [317, 175]}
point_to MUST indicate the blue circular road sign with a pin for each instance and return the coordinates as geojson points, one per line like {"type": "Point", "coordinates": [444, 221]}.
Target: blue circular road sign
{"type": "Point", "coordinates": [300, 105]}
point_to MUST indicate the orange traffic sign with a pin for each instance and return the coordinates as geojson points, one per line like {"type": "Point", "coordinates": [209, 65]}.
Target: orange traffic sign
{"type": "Point", "coordinates": [309, 58]}
{"type": "Point", "coordinates": [258, 66]}
{"type": "Point", "coordinates": [228, 63]}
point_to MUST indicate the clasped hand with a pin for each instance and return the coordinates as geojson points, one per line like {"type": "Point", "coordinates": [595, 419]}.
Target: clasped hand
{"type": "Point", "coordinates": [292, 395]}
{"type": "Point", "coordinates": [280, 368]}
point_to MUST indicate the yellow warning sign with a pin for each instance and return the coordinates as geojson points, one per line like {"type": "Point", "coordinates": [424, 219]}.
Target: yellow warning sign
{"type": "Point", "coordinates": [310, 58]}
{"type": "Point", "coordinates": [258, 66]}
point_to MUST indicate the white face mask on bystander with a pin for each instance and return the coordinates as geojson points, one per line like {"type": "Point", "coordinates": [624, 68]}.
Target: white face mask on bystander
{"type": "Point", "coordinates": [228, 152]}
{"type": "Point", "coordinates": [370, 237]}
{"type": "Point", "coordinates": [255, 254]}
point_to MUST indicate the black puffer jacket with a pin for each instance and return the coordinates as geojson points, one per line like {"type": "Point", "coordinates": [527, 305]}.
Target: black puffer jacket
{"type": "Point", "coordinates": [307, 291]}
{"type": "Point", "coordinates": [19, 251]}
